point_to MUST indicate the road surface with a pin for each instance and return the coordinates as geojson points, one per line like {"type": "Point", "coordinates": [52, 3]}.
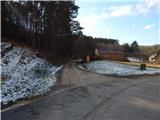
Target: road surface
{"type": "Point", "coordinates": [89, 96]}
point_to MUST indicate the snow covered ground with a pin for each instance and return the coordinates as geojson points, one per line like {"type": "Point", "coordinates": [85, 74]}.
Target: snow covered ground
{"type": "Point", "coordinates": [25, 75]}
{"type": "Point", "coordinates": [109, 67]}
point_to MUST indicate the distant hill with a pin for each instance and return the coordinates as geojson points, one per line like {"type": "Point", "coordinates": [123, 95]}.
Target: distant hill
{"type": "Point", "coordinates": [148, 50]}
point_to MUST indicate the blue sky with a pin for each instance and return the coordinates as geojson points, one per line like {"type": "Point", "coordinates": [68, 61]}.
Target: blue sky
{"type": "Point", "coordinates": [119, 19]}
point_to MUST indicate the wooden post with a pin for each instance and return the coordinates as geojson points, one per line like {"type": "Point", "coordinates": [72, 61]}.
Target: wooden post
{"type": "Point", "coordinates": [143, 66]}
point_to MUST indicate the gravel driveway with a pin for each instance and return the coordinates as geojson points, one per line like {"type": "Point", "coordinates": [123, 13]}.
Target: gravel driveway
{"type": "Point", "coordinates": [83, 95]}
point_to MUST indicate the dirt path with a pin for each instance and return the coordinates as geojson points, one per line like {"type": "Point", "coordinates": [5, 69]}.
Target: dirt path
{"type": "Point", "coordinates": [72, 76]}
{"type": "Point", "coordinates": [88, 96]}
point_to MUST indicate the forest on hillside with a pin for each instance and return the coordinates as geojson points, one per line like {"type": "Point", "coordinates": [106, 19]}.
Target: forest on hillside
{"type": "Point", "coordinates": [46, 25]}
{"type": "Point", "coordinates": [50, 27]}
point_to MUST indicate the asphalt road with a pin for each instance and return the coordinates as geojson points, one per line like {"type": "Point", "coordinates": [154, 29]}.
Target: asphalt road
{"type": "Point", "coordinates": [89, 96]}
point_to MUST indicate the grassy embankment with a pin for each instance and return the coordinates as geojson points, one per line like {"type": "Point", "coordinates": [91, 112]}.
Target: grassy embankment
{"type": "Point", "coordinates": [138, 64]}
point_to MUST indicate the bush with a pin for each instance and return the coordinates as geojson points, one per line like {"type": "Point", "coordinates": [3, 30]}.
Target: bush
{"type": "Point", "coordinates": [40, 72]}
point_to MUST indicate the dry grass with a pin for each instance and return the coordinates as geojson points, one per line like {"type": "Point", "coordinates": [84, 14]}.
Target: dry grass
{"type": "Point", "coordinates": [138, 64]}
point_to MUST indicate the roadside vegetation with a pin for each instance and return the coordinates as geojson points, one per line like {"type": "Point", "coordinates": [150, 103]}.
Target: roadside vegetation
{"type": "Point", "coordinates": [138, 64]}
{"type": "Point", "coordinates": [116, 68]}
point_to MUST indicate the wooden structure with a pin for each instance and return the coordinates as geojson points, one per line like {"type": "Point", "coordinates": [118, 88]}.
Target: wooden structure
{"type": "Point", "coordinates": [152, 57]}
{"type": "Point", "coordinates": [143, 66]}
{"type": "Point", "coordinates": [134, 59]}
{"type": "Point", "coordinates": [110, 54]}
{"type": "Point", "coordinates": [155, 58]}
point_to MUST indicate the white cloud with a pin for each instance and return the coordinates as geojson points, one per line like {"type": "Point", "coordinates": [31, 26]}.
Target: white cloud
{"type": "Point", "coordinates": [152, 3]}
{"type": "Point", "coordinates": [133, 9]}
{"type": "Point", "coordinates": [133, 25]}
{"type": "Point", "coordinates": [90, 21]}
{"type": "Point", "coordinates": [148, 26]}
{"type": "Point", "coordinates": [141, 9]}
{"type": "Point", "coordinates": [104, 15]}
{"type": "Point", "coordinates": [93, 9]}
{"type": "Point", "coordinates": [106, 31]}
{"type": "Point", "coordinates": [146, 6]}
{"type": "Point", "coordinates": [121, 11]}
{"type": "Point", "coordinates": [99, 32]}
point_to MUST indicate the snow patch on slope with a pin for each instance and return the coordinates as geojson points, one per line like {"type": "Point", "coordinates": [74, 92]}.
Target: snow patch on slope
{"type": "Point", "coordinates": [109, 67]}
{"type": "Point", "coordinates": [25, 75]}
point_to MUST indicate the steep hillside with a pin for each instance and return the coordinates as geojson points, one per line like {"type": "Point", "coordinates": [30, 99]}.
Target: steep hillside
{"type": "Point", "coordinates": [24, 74]}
